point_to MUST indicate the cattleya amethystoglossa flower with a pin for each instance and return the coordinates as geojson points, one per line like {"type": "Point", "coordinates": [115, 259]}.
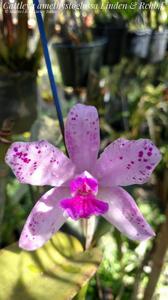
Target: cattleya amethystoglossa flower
{"type": "Point", "coordinates": [84, 185]}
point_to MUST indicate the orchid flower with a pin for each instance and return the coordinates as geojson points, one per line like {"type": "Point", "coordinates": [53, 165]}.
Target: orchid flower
{"type": "Point", "coordinates": [83, 184]}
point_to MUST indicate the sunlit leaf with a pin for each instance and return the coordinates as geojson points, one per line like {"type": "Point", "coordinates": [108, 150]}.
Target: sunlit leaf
{"type": "Point", "coordinates": [56, 271]}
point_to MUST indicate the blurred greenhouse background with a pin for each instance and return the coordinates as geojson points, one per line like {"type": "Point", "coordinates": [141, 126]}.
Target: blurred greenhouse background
{"type": "Point", "coordinates": [113, 55]}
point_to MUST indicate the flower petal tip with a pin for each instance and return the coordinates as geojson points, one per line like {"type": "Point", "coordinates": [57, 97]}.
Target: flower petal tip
{"type": "Point", "coordinates": [28, 245]}
{"type": "Point", "coordinates": [153, 234]}
{"type": "Point", "coordinates": [25, 245]}
{"type": "Point", "coordinates": [149, 235]}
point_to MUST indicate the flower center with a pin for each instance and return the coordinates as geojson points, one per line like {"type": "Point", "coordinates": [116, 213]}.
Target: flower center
{"type": "Point", "coordinates": [84, 185]}
{"type": "Point", "coordinates": [83, 203]}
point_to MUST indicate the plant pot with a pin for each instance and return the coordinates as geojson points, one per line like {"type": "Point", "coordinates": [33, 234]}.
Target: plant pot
{"type": "Point", "coordinates": [76, 62]}
{"type": "Point", "coordinates": [18, 100]}
{"type": "Point", "coordinates": [158, 44]}
{"type": "Point", "coordinates": [138, 43]}
{"type": "Point", "coordinates": [115, 34]}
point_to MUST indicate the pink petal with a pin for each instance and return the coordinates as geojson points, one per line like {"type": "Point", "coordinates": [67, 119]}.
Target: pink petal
{"type": "Point", "coordinates": [82, 136]}
{"type": "Point", "coordinates": [126, 162]}
{"type": "Point", "coordinates": [124, 214]}
{"type": "Point", "coordinates": [44, 220]}
{"type": "Point", "coordinates": [39, 163]}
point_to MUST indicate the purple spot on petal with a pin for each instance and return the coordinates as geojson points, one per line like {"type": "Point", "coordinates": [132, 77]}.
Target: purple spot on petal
{"type": "Point", "coordinates": [140, 154]}
{"type": "Point", "coordinates": [148, 168]}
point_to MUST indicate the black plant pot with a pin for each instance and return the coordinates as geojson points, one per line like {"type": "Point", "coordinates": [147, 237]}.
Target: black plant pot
{"type": "Point", "coordinates": [18, 100]}
{"type": "Point", "coordinates": [158, 46]}
{"type": "Point", "coordinates": [76, 62]}
{"type": "Point", "coordinates": [115, 34]}
{"type": "Point", "coordinates": [137, 43]}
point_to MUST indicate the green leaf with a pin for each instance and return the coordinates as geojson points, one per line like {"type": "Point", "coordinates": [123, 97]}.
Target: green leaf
{"type": "Point", "coordinates": [57, 271]}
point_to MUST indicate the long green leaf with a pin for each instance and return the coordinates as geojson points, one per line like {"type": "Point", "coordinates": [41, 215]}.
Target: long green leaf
{"type": "Point", "coordinates": [55, 272]}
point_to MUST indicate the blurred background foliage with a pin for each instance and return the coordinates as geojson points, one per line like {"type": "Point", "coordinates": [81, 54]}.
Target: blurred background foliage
{"type": "Point", "coordinates": [115, 58]}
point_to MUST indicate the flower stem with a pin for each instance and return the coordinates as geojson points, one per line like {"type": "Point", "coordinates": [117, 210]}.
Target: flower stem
{"type": "Point", "coordinates": [48, 64]}
{"type": "Point", "coordinates": [88, 228]}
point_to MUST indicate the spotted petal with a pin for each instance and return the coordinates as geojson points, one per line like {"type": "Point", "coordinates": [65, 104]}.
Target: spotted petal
{"type": "Point", "coordinates": [39, 163]}
{"type": "Point", "coordinates": [82, 136]}
{"type": "Point", "coordinates": [44, 220]}
{"type": "Point", "coordinates": [124, 214]}
{"type": "Point", "coordinates": [126, 162]}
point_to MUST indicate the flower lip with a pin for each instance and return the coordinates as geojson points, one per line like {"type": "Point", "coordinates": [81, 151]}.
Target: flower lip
{"type": "Point", "coordinates": [83, 203]}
